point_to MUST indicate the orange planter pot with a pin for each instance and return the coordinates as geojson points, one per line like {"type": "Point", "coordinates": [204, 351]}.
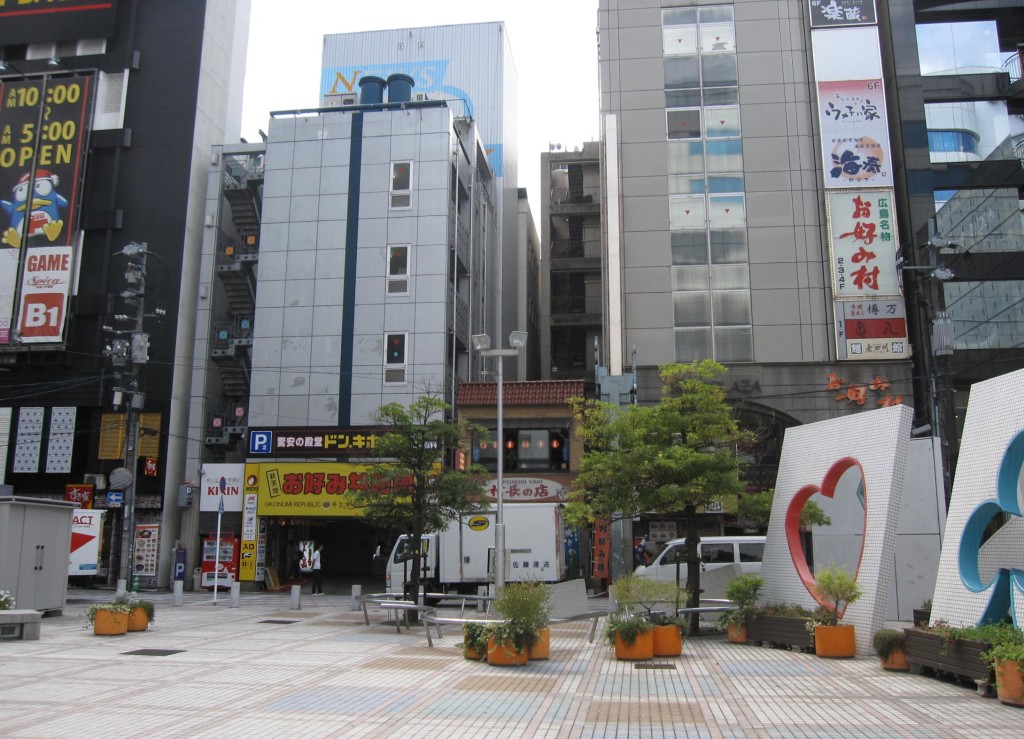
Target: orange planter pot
{"type": "Point", "coordinates": [1009, 683]}
{"type": "Point", "coordinates": [138, 620]}
{"type": "Point", "coordinates": [896, 661]}
{"type": "Point", "coordinates": [835, 641]}
{"type": "Point", "coordinates": [642, 648]}
{"type": "Point", "coordinates": [468, 653]}
{"type": "Point", "coordinates": [542, 649]}
{"type": "Point", "coordinates": [505, 654]}
{"type": "Point", "coordinates": [668, 642]}
{"type": "Point", "coordinates": [109, 623]}
{"type": "Point", "coordinates": [736, 633]}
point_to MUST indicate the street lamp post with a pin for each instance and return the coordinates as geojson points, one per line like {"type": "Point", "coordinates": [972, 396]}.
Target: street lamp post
{"type": "Point", "coordinates": [482, 344]}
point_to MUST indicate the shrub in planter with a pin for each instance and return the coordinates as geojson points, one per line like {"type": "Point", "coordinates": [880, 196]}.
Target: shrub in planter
{"type": "Point", "coordinates": [743, 591]}
{"type": "Point", "coordinates": [1007, 658]}
{"type": "Point", "coordinates": [780, 625]}
{"type": "Point", "coordinates": [891, 647]}
{"type": "Point", "coordinates": [630, 634]}
{"type": "Point", "coordinates": [108, 619]}
{"type": "Point", "coordinates": [923, 614]}
{"type": "Point", "coordinates": [835, 588]}
{"type": "Point", "coordinates": [637, 599]}
{"type": "Point", "coordinates": [523, 607]}
{"type": "Point", "coordinates": [141, 612]}
{"type": "Point", "coordinates": [474, 641]}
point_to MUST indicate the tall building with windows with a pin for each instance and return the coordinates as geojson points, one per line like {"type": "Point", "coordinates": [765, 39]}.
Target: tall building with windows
{"type": "Point", "coordinates": [789, 187]}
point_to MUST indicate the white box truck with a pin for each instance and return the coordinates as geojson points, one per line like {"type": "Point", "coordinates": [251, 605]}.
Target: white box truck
{"type": "Point", "coordinates": [461, 558]}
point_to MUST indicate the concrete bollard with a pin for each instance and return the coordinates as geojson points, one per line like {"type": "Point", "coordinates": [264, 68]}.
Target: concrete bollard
{"type": "Point", "coordinates": [236, 589]}
{"type": "Point", "coordinates": [122, 586]}
{"type": "Point", "coordinates": [179, 587]}
{"type": "Point", "coordinates": [357, 591]}
{"type": "Point", "coordinates": [481, 605]}
{"type": "Point", "coordinates": [296, 597]}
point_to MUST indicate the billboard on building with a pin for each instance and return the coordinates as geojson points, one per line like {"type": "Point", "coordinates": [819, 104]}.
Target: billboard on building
{"type": "Point", "coordinates": [27, 22]}
{"type": "Point", "coordinates": [221, 482]}
{"type": "Point", "coordinates": [44, 126]}
{"type": "Point", "coordinates": [872, 329]}
{"type": "Point", "coordinates": [832, 13]}
{"type": "Point", "coordinates": [862, 242]}
{"type": "Point", "coordinates": [310, 488]}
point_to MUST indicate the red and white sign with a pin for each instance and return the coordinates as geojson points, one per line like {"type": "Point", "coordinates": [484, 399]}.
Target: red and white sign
{"type": "Point", "coordinates": [863, 242]}
{"type": "Point", "coordinates": [45, 286]}
{"type": "Point", "coordinates": [80, 494]}
{"type": "Point", "coordinates": [86, 530]}
{"type": "Point", "coordinates": [525, 489]}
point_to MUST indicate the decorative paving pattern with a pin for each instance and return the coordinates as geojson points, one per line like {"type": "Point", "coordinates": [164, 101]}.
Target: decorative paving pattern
{"type": "Point", "coordinates": [524, 684]}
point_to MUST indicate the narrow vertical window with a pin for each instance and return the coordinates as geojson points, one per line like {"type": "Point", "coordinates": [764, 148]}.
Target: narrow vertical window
{"type": "Point", "coordinates": [398, 270]}
{"type": "Point", "coordinates": [401, 184]}
{"type": "Point", "coordinates": [394, 359]}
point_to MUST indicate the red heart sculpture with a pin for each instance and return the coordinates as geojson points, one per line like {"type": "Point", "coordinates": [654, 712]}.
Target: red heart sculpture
{"type": "Point", "coordinates": [828, 489]}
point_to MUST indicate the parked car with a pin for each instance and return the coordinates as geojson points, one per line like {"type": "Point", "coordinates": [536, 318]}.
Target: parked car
{"type": "Point", "coordinates": [715, 552]}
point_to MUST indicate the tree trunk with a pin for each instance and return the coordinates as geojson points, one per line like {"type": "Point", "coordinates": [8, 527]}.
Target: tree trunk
{"type": "Point", "coordinates": [692, 565]}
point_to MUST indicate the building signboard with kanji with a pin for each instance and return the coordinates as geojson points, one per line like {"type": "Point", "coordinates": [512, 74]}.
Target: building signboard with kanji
{"type": "Point", "coordinates": [863, 243]}
{"type": "Point", "coordinates": [871, 329]}
{"type": "Point", "coordinates": [312, 488]}
{"type": "Point", "coordinates": [356, 441]}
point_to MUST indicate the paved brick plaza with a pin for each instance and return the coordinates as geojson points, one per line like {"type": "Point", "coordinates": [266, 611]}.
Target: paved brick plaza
{"type": "Point", "coordinates": [264, 670]}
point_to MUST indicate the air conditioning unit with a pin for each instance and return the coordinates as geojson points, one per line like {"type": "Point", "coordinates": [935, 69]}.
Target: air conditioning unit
{"type": "Point", "coordinates": [419, 97]}
{"type": "Point", "coordinates": [99, 482]}
{"type": "Point", "coordinates": [340, 100]}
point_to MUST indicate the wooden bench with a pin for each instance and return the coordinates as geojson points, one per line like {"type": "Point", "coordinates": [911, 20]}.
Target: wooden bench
{"type": "Point", "coordinates": [22, 623]}
{"type": "Point", "coordinates": [568, 601]}
{"type": "Point", "coordinates": [393, 604]}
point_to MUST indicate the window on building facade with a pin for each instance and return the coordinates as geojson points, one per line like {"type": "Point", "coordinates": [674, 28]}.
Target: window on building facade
{"type": "Point", "coordinates": [707, 205]}
{"type": "Point", "coordinates": [525, 450]}
{"type": "Point", "coordinates": [395, 358]}
{"type": "Point", "coordinates": [401, 185]}
{"type": "Point", "coordinates": [398, 270]}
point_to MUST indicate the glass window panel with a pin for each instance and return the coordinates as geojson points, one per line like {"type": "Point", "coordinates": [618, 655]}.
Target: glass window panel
{"type": "Point", "coordinates": [690, 278]}
{"type": "Point", "coordinates": [727, 211]}
{"type": "Point", "coordinates": [728, 247]}
{"type": "Point", "coordinates": [732, 308]}
{"type": "Point", "coordinates": [721, 96]}
{"type": "Point", "coordinates": [693, 344]}
{"type": "Point", "coordinates": [968, 47]}
{"type": "Point", "coordinates": [716, 14]}
{"type": "Point", "coordinates": [685, 185]}
{"type": "Point", "coordinates": [534, 453]}
{"type": "Point", "coordinates": [718, 70]}
{"type": "Point", "coordinates": [682, 98]}
{"type": "Point", "coordinates": [720, 553]}
{"type": "Point", "coordinates": [725, 156]}
{"type": "Point", "coordinates": [689, 247]}
{"type": "Point", "coordinates": [682, 73]}
{"type": "Point", "coordinates": [730, 277]}
{"type": "Point", "coordinates": [686, 211]}
{"type": "Point", "coordinates": [686, 158]}
{"type": "Point", "coordinates": [721, 183]}
{"type": "Point", "coordinates": [679, 17]}
{"type": "Point", "coordinates": [692, 309]}
{"type": "Point", "coordinates": [733, 345]}
{"type": "Point", "coordinates": [722, 123]}
{"type": "Point", "coordinates": [398, 261]}
{"type": "Point", "coordinates": [679, 40]}
{"type": "Point", "coordinates": [717, 38]}
{"type": "Point", "coordinates": [401, 173]}
{"type": "Point", "coordinates": [683, 124]}
{"type": "Point", "coordinates": [485, 449]}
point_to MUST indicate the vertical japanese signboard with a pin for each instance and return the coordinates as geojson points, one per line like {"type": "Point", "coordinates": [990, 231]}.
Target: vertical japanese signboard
{"type": "Point", "coordinates": [856, 160]}
{"type": "Point", "coordinates": [43, 130]}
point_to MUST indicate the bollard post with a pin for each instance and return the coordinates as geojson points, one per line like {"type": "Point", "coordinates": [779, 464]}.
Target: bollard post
{"type": "Point", "coordinates": [357, 591]}
{"type": "Point", "coordinates": [236, 589]}
{"type": "Point", "coordinates": [481, 605]}
{"type": "Point", "coordinates": [122, 585]}
{"type": "Point", "coordinates": [296, 597]}
{"type": "Point", "coordinates": [179, 587]}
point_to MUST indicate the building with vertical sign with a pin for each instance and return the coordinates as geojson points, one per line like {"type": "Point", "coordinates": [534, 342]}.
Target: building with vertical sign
{"type": "Point", "coordinates": [106, 114]}
{"type": "Point", "coordinates": [771, 191]}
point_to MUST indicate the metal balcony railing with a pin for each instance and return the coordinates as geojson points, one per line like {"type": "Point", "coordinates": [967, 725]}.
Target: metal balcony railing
{"type": "Point", "coordinates": [575, 195]}
{"type": "Point", "coordinates": [562, 304]}
{"type": "Point", "coordinates": [575, 249]}
{"type": "Point", "coordinates": [1012, 66]}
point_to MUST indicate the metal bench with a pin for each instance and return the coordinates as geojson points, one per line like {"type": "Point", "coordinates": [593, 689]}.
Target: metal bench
{"type": "Point", "coordinates": [393, 604]}
{"type": "Point", "coordinates": [432, 619]}
{"type": "Point", "coordinates": [479, 600]}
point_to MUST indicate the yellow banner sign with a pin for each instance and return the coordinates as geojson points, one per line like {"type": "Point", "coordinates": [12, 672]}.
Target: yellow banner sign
{"type": "Point", "coordinates": [309, 489]}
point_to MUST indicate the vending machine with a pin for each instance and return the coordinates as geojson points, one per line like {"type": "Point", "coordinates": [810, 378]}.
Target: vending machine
{"type": "Point", "coordinates": [225, 564]}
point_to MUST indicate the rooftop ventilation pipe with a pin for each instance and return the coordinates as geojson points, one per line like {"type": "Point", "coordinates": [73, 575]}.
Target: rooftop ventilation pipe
{"type": "Point", "coordinates": [371, 90]}
{"type": "Point", "coordinates": [400, 88]}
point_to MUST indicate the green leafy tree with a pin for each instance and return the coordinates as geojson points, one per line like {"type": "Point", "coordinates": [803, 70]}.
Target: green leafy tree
{"type": "Point", "coordinates": [409, 491]}
{"type": "Point", "coordinates": [673, 457]}
{"type": "Point", "coordinates": [758, 507]}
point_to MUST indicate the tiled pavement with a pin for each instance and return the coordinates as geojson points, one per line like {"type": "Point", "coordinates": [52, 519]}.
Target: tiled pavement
{"type": "Point", "coordinates": [264, 670]}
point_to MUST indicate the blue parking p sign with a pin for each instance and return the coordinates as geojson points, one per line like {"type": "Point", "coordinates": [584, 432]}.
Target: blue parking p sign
{"type": "Point", "coordinates": [260, 442]}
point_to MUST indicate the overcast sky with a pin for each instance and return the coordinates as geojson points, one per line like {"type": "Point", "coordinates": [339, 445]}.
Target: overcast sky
{"type": "Point", "coordinates": [554, 46]}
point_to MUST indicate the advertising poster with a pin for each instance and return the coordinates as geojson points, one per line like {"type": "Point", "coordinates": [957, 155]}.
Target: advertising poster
{"type": "Point", "coordinates": [45, 285]}
{"type": "Point", "coordinates": [44, 125]}
{"type": "Point", "coordinates": [832, 13]}
{"type": "Point", "coordinates": [602, 563]}
{"type": "Point", "coordinates": [247, 561]}
{"type": "Point", "coordinates": [147, 547]}
{"type": "Point", "coordinates": [221, 481]}
{"type": "Point", "coordinates": [863, 243]}
{"type": "Point", "coordinates": [80, 493]}
{"type": "Point", "coordinates": [86, 534]}
{"type": "Point", "coordinates": [310, 488]}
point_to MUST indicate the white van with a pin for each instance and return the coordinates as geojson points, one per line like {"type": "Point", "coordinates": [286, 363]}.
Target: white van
{"type": "Point", "coordinates": [741, 553]}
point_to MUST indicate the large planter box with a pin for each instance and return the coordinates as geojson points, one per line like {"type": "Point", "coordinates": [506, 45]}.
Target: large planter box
{"type": "Point", "coordinates": [781, 632]}
{"type": "Point", "coordinates": [959, 660]}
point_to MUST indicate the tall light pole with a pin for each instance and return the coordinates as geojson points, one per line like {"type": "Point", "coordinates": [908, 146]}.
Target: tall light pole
{"type": "Point", "coordinates": [482, 344]}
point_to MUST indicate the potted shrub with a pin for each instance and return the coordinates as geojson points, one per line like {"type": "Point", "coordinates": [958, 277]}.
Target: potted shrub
{"type": "Point", "coordinates": [836, 589]}
{"type": "Point", "coordinates": [523, 607]}
{"type": "Point", "coordinates": [141, 612]}
{"type": "Point", "coordinates": [923, 614]}
{"type": "Point", "coordinates": [956, 652]}
{"type": "Point", "coordinates": [781, 625]}
{"type": "Point", "coordinates": [631, 634]}
{"type": "Point", "coordinates": [108, 619]}
{"type": "Point", "coordinates": [891, 648]}
{"type": "Point", "coordinates": [643, 595]}
{"type": "Point", "coordinates": [474, 641]}
{"type": "Point", "coordinates": [743, 592]}
{"type": "Point", "coordinates": [1007, 658]}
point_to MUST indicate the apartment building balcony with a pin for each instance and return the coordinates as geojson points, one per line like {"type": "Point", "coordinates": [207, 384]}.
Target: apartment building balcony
{"type": "Point", "coordinates": [576, 310]}
{"type": "Point", "coordinates": [576, 254]}
{"type": "Point", "coordinates": [575, 199]}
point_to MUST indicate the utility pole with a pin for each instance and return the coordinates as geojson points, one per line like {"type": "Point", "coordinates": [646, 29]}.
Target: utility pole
{"type": "Point", "coordinates": [128, 352]}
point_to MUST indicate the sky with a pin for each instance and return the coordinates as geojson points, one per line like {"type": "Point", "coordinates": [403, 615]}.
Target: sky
{"type": "Point", "coordinates": [554, 48]}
